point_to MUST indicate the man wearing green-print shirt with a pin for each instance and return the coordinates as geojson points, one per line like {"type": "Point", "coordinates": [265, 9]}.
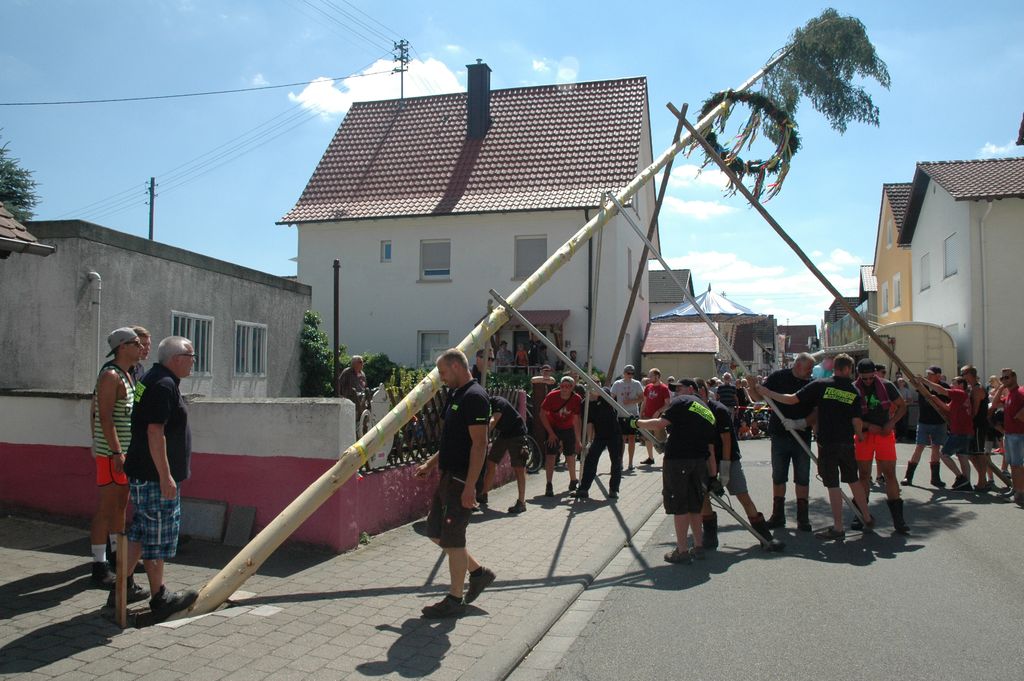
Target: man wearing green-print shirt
{"type": "Point", "coordinates": [688, 463]}
{"type": "Point", "coordinates": [839, 422]}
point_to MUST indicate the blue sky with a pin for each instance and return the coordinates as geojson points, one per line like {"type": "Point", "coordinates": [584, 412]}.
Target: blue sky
{"type": "Point", "coordinates": [228, 167]}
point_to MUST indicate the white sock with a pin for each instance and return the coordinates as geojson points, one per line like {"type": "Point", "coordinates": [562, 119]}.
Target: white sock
{"type": "Point", "coordinates": [99, 553]}
{"type": "Point", "coordinates": [113, 543]}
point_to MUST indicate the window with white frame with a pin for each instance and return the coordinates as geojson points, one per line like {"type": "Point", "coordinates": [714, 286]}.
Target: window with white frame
{"type": "Point", "coordinates": [885, 297]}
{"type": "Point", "coordinates": [385, 251]}
{"type": "Point", "coordinates": [199, 330]}
{"type": "Point", "coordinates": [436, 259]}
{"type": "Point", "coordinates": [888, 233]}
{"type": "Point", "coordinates": [250, 349]}
{"type": "Point", "coordinates": [431, 345]}
{"type": "Point", "coordinates": [949, 256]}
{"type": "Point", "coordinates": [897, 290]}
{"type": "Point", "coordinates": [925, 272]}
{"type": "Point", "coordinates": [531, 252]}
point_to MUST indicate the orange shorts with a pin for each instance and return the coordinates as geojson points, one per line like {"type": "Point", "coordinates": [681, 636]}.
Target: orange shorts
{"type": "Point", "coordinates": [876, 446]}
{"type": "Point", "coordinates": [105, 473]}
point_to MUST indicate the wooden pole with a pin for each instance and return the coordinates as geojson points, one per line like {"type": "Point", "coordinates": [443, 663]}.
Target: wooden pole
{"type": "Point", "coordinates": [256, 552]}
{"type": "Point", "coordinates": [121, 588]}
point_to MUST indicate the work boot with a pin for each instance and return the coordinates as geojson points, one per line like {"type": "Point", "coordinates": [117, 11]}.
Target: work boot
{"type": "Point", "coordinates": [778, 518]}
{"type": "Point", "coordinates": [936, 478]}
{"type": "Point", "coordinates": [134, 593]}
{"type": "Point", "coordinates": [896, 509]}
{"type": "Point", "coordinates": [164, 604]}
{"type": "Point", "coordinates": [102, 575]}
{"type": "Point", "coordinates": [908, 480]}
{"type": "Point", "coordinates": [710, 523]}
{"type": "Point", "coordinates": [803, 521]}
{"type": "Point", "coordinates": [761, 527]}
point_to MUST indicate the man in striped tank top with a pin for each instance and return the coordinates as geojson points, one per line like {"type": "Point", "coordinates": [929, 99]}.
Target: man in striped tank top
{"type": "Point", "coordinates": [111, 435]}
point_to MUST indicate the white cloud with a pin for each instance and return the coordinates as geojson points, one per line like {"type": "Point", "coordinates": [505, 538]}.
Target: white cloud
{"type": "Point", "coordinates": [840, 257]}
{"type": "Point", "coordinates": [689, 175]}
{"type": "Point", "coordinates": [816, 254]}
{"type": "Point", "coordinates": [993, 150]}
{"type": "Point", "coordinates": [454, 49]}
{"type": "Point", "coordinates": [541, 65]}
{"type": "Point", "coordinates": [330, 98]}
{"type": "Point", "coordinates": [568, 70]}
{"type": "Point", "coordinates": [259, 81]}
{"type": "Point", "coordinates": [698, 210]}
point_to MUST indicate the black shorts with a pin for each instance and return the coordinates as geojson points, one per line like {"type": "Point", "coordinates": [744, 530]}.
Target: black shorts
{"type": "Point", "coordinates": [837, 461]}
{"type": "Point", "coordinates": [566, 443]}
{"type": "Point", "coordinates": [683, 485]}
{"type": "Point", "coordinates": [447, 519]}
{"type": "Point", "coordinates": [517, 447]}
{"type": "Point", "coordinates": [625, 427]}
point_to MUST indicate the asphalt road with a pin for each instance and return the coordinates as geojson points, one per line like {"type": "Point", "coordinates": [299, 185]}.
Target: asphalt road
{"type": "Point", "coordinates": [945, 603]}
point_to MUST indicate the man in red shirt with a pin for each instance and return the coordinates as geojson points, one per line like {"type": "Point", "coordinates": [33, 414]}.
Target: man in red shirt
{"type": "Point", "coordinates": [961, 431]}
{"type": "Point", "coordinates": [560, 416]}
{"type": "Point", "coordinates": [655, 402]}
{"type": "Point", "coordinates": [1010, 396]}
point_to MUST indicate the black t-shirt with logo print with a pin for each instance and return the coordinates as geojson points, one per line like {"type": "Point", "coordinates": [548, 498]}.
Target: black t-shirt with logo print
{"type": "Point", "coordinates": [875, 414]}
{"type": "Point", "coordinates": [838, 403]}
{"type": "Point", "coordinates": [692, 428]}
{"type": "Point", "coordinates": [467, 406]}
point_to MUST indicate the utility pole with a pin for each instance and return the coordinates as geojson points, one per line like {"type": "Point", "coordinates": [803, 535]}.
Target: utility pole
{"type": "Point", "coordinates": [402, 57]}
{"type": "Point", "coordinates": [152, 206]}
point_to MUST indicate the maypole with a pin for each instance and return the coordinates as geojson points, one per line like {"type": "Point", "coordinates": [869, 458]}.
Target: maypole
{"type": "Point", "coordinates": [256, 552]}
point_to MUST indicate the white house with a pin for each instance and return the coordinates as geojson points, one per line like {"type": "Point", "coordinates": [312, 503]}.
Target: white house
{"type": "Point", "coordinates": [429, 202]}
{"type": "Point", "coordinates": [663, 292]}
{"type": "Point", "coordinates": [965, 227]}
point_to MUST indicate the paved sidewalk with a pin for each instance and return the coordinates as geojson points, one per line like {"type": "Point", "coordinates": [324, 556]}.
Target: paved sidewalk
{"type": "Point", "coordinates": [323, 616]}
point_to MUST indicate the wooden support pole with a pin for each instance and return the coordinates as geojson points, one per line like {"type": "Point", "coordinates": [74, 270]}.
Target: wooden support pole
{"type": "Point", "coordinates": [121, 585]}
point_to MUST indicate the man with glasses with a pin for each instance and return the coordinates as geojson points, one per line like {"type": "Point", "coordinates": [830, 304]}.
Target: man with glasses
{"type": "Point", "coordinates": [157, 462]}
{"type": "Point", "coordinates": [1010, 397]}
{"type": "Point", "coordinates": [628, 392]}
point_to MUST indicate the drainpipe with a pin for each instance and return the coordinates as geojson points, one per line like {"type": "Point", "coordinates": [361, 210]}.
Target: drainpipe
{"type": "Point", "coordinates": [95, 278]}
{"type": "Point", "coordinates": [590, 285]}
{"type": "Point", "coordinates": [981, 265]}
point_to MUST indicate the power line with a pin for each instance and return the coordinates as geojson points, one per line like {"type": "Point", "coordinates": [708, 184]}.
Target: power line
{"type": "Point", "coordinates": [385, 27]}
{"type": "Point", "coordinates": [372, 42]}
{"type": "Point", "coordinates": [188, 94]}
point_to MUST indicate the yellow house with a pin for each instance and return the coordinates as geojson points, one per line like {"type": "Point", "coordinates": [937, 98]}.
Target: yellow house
{"type": "Point", "coordinates": [893, 262]}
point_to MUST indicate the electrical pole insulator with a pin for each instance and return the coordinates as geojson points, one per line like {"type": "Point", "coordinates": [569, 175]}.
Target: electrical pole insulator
{"type": "Point", "coordinates": [402, 57]}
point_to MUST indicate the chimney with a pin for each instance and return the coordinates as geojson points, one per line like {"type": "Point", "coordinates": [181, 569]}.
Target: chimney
{"type": "Point", "coordinates": [479, 100]}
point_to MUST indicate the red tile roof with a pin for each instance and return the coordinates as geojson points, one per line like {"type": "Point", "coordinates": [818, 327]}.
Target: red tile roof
{"type": "Point", "coordinates": [987, 179]}
{"type": "Point", "coordinates": [15, 237]}
{"type": "Point", "coordinates": [548, 147]}
{"type": "Point", "coordinates": [672, 337]}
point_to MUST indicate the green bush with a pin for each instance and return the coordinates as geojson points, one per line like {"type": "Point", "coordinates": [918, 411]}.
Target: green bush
{"type": "Point", "coordinates": [378, 368]}
{"type": "Point", "coordinates": [316, 365]}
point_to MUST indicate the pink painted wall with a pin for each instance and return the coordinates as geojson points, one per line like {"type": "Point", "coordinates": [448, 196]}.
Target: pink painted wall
{"type": "Point", "coordinates": [61, 480]}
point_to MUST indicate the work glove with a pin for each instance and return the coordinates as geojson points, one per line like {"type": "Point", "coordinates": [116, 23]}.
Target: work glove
{"type": "Point", "coordinates": [795, 424]}
{"type": "Point", "coordinates": [724, 469]}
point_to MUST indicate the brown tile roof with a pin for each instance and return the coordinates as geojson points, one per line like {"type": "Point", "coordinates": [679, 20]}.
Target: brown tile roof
{"type": "Point", "coordinates": [898, 194]}
{"type": "Point", "coordinates": [548, 147]}
{"type": "Point", "coordinates": [662, 289]}
{"type": "Point", "coordinates": [12, 229]}
{"type": "Point", "coordinates": [671, 337]}
{"type": "Point", "coordinates": [987, 179]}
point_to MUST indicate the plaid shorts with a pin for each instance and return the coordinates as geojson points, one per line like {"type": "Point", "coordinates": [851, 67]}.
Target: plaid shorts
{"type": "Point", "coordinates": [156, 522]}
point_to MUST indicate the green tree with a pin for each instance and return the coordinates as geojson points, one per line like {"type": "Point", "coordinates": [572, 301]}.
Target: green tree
{"type": "Point", "coordinates": [17, 188]}
{"type": "Point", "coordinates": [316, 366]}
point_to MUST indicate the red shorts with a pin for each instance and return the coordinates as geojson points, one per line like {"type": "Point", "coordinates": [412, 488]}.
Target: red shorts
{"type": "Point", "coordinates": [105, 473]}
{"type": "Point", "coordinates": [876, 446]}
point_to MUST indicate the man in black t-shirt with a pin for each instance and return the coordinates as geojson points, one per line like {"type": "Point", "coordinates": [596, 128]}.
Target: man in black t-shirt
{"type": "Point", "coordinates": [839, 422]}
{"type": "Point", "coordinates": [785, 448]}
{"type": "Point", "coordinates": [604, 433]}
{"type": "Point", "coordinates": [511, 439]}
{"type": "Point", "coordinates": [931, 432]}
{"type": "Point", "coordinates": [685, 469]}
{"type": "Point", "coordinates": [460, 460]}
{"type": "Point", "coordinates": [156, 462]}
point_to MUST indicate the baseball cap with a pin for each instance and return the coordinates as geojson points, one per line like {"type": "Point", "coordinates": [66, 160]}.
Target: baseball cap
{"type": "Point", "coordinates": [933, 369]}
{"type": "Point", "coordinates": [688, 382]}
{"type": "Point", "coordinates": [119, 337]}
{"type": "Point", "coordinates": [567, 379]}
{"type": "Point", "coordinates": [881, 367]}
{"type": "Point", "coordinates": [866, 366]}
{"type": "Point", "coordinates": [629, 368]}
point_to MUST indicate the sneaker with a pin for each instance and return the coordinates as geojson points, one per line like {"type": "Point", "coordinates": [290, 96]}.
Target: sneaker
{"type": "Point", "coordinates": [647, 462]}
{"type": "Point", "coordinates": [858, 526]}
{"type": "Point", "coordinates": [481, 499]}
{"type": "Point", "coordinates": [165, 604]}
{"type": "Point", "coordinates": [677, 556]}
{"type": "Point", "coordinates": [962, 484]}
{"type": "Point", "coordinates": [520, 507]}
{"type": "Point", "coordinates": [134, 594]}
{"type": "Point", "coordinates": [477, 583]}
{"type": "Point", "coordinates": [613, 495]}
{"type": "Point", "coordinates": [549, 490]}
{"type": "Point", "coordinates": [629, 470]}
{"type": "Point", "coordinates": [102, 575]}
{"type": "Point", "coordinates": [573, 484]}
{"type": "Point", "coordinates": [830, 534]}
{"type": "Point", "coordinates": [698, 553]}
{"type": "Point", "coordinates": [580, 495]}
{"type": "Point", "coordinates": [449, 606]}
{"type": "Point", "coordinates": [987, 487]}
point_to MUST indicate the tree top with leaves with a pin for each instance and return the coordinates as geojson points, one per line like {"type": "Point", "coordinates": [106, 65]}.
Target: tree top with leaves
{"type": "Point", "coordinates": [17, 188]}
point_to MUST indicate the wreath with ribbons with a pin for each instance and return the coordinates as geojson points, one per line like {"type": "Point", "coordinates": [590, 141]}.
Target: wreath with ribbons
{"type": "Point", "coordinates": [762, 110]}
